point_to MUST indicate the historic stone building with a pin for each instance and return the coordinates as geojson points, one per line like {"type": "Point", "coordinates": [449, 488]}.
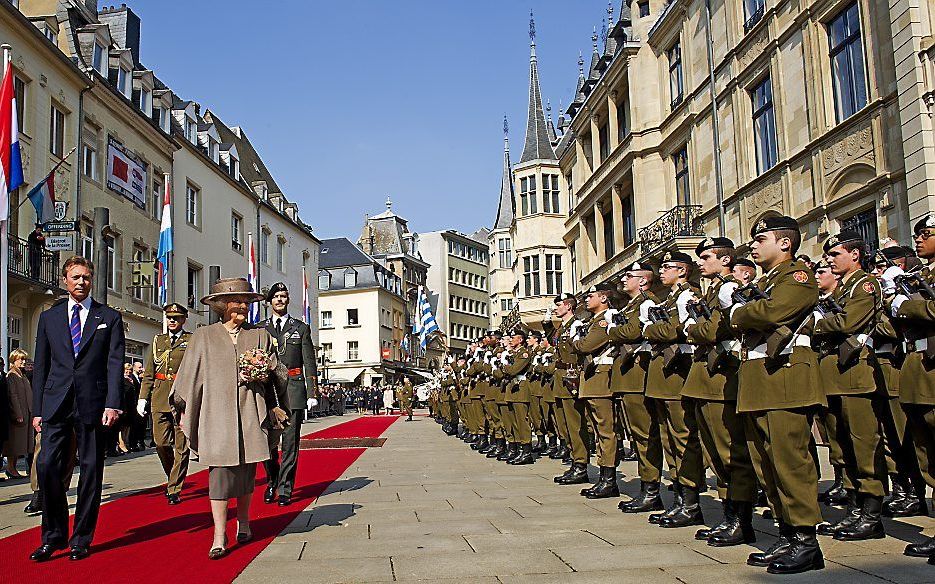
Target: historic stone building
{"type": "Point", "coordinates": [806, 124]}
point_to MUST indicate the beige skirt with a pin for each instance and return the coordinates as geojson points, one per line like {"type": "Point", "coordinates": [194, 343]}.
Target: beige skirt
{"type": "Point", "coordinates": [230, 482]}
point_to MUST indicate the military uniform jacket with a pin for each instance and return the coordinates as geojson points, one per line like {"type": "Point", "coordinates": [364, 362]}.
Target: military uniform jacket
{"type": "Point", "coordinates": [533, 376]}
{"type": "Point", "coordinates": [790, 379]}
{"type": "Point", "coordinates": [860, 297]}
{"type": "Point", "coordinates": [515, 372]}
{"type": "Point", "coordinates": [668, 370]}
{"type": "Point", "coordinates": [632, 360]}
{"type": "Point", "coordinates": [500, 377]}
{"type": "Point", "coordinates": [297, 353]}
{"type": "Point", "coordinates": [405, 392]}
{"type": "Point", "coordinates": [916, 317]}
{"type": "Point", "coordinates": [162, 363]}
{"type": "Point", "coordinates": [474, 372]}
{"type": "Point", "coordinates": [887, 354]}
{"type": "Point", "coordinates": [595, 346]}
{"type": "Point", "coordinates": [546, 370]}
{"type": "Point", "coordinates": [565, 358]}
{"type": "Point", "coordinates": [713, 374]}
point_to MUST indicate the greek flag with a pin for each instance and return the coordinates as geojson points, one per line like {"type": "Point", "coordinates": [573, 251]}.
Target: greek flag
{"type": "Point", "coordinates": [425, 322]}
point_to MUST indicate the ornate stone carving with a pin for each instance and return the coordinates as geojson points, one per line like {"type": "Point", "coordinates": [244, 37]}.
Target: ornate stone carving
{"type": "Point", "coordinates": [856, 145]}
{"type": "Point", "coordinates": [754, 49]}
{"type": "Point", "coordinates": [769, 197]}
{"type": "Point", "coordinates": [26, 158]}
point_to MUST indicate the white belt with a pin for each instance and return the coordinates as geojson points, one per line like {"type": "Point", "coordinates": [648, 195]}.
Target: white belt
{"type": "Point", "coordinates": [732, 346]}
{"type": "Point", "coordinates": [759, 352]}
{"type": "Point", "coordinates": [686, 348]}
{"type": "Point", "coordinates": [604, 360]}
{"type": "Point", "coordinates": [885, 348]}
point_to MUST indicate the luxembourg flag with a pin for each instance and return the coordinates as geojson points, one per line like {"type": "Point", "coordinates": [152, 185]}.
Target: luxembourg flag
{"type": "Point", "coordinates": [165, 244]}
{"type": "Point", "coordinates": [11, 165]}
{"type": "Point", "coordinates": [42, 197]}
{"type": "Point", "coordinates": [254, 315]}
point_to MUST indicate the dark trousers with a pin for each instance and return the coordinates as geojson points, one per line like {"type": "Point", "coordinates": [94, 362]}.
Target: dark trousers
{"type": "Point", "coordinates": [281, 471]}
{"type": "Point", "coordinates": [55, 460]}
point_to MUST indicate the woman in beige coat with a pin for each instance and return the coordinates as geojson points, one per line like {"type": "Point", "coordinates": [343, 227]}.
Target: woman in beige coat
{"type": "Point", "coordinates": [22, 439]}
{"type": "Point", "coordinates": [225, 419]}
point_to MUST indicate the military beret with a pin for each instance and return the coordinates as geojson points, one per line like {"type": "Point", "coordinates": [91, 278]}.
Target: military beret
{"type": "Point", "coordinates": [745, 262]}
{"type": "Point", "coordinates": [518, 331]}
{"type": "Point", "coordinates": [677, 256]}
{"type": "Point", "coordinates": [927, 222]}
{"type": "Point", "coordinates": [774, 223]}
{"type": "Point", "coordinates": [602, 287]}
{"type": "Point", "coordinates": [495, 333]}
{"type": "Point", "coordinates": [713, 242]}
{"type": "Point", "coordinates": [821, 265]}
{"type": "Point", "coordinates": [175, 309]}
{"type": "Point", "coordinates": [895, 252]}
{"type": "Point", "coordinates": [640, 267]}
{"type": "Point", "coordinates": [277, 287]}
{"type": "Point", "coordinates": [565, 296]}
{"type": "Point", "coordinates": [537, 334]}
{"type": "Point", "coordinates": [846, 236]}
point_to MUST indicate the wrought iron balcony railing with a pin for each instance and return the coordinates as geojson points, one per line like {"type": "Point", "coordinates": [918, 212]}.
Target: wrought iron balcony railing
{"type": "Point", "coordinates": [679, 221]}
{"type": "Point", "coordinates": [754, 18]}
{"type": "Point", "coordinates": [33, 263]}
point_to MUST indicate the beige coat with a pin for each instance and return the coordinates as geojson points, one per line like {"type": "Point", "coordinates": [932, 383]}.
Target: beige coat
{"type": "Point", "coordinates": [22, 437]}
{"type": "Point", "coordinates": [225, 421]}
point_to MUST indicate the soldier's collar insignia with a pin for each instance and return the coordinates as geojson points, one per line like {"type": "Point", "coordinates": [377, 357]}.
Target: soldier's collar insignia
{"type": "Point", "coordinates": [800, 276]}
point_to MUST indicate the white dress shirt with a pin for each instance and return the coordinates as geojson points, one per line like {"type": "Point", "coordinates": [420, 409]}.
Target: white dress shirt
{"type": "Point", "coordinates": [280, 322]}
{"type": "Point", "coordinates": [82, 314]}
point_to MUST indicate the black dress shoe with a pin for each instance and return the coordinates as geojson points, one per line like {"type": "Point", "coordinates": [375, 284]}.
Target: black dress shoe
{"type": "Point", "coordinates": [803, 554]}
{"type": "Point", "coordinates": [44, 552]}
{"type": "Point", "coordinates": [173, 499]}
{"type": "Point", "coordinates": [35, 504]}
{"type": "Point", "coordinates": [78, 552]}
{"type": "Point", "coordinates": [921, 550]}
{"type": "Point", "coordinates": [284, 500]}
{"type": "Point", "coordinates": [779, 548]}
{"type": "Point", "coordinates": [270, 495]}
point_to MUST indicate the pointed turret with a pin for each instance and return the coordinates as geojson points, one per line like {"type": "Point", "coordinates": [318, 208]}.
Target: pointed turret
{"type": "Point", "coordinates": [580, 96]}
{"type": "Point", "coordinates": [537, 144]}
{"type": "Point", "coordinates": [553, 137]}
{"type": "Point", "coordinates": [594, 73]}
{"type": "Point", "coordinates": [610, 41]}
{"type": "Point", "coordinates": [505, 210]}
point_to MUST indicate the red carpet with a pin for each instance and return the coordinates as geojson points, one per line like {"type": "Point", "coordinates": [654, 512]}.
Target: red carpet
{"type": "Point", "coordinates": [140, 539]}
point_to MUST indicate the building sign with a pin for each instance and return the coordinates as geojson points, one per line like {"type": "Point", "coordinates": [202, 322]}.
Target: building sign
{"type": "Point", "coordinates": [126, 174]}
{"type": "Point", "coordinates": [58, 226]}
{"type": "Point", "coordinates": [61, 208]}
{"type": "Point", "coordinates": [59, 243]}
{"type": "Point", "coordinates": [385, 353]}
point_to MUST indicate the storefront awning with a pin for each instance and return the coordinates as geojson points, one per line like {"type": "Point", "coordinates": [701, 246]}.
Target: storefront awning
{"type": "Point", "coordinates": [344, 375]}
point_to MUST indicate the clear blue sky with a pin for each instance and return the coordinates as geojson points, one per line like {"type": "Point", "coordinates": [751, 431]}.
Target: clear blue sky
{"type": "Point", "coordinates": [350, 101]}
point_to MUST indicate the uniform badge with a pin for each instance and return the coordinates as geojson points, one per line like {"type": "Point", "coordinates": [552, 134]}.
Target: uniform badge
{"type": "Point", "coordinates": [801, 277]}
{"type": "Point", "coordinates": [274, 341]}
{"type": "Point", "coordinates": [868, 287]}
{"type": "Point", "coordinates": [667, 257]}
{"type": "Point", "coordinates": [525, 355]}
{"type": "Point", "coordinates": [833, 241]}
{"type": "Point", "coordinates": [602, 324]}
{"type": "Point", "coordinates": [761, 225]}
{"type": "Point", "coordinates": [294, 335]}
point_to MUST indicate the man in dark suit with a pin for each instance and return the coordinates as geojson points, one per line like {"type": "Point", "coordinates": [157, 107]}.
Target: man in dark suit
{"type": "Point", "coordinates": [296, 352]}
{"type": "Point", "coordinates": [77, 386]}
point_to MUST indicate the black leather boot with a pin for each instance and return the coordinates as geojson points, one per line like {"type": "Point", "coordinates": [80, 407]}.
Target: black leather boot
{"type": "Point", "coordinates": [551, 447]}
{"type": "Point", "coordinates": [480, 444]}
{"type": "Point", "coordinates": [913, 504]}
{"type": "Point", "coordinates": [509, 451]}
{"type": "Point", "coordinates": [541, 444]}
{"type": "Point", "coordinates": [606, 487]}
{"type": "Point", "coordinates": [564, 475]}
{"type": "Point", "coordinates": [648, 500]}
{"type": "Point", "coordinates": [498, 448]}
{"type": "Point", "coordinates": [688, 514]}
{"type": "Point", "coordinates": [704, 533]}
{"type": "Point", "coordinates": [560, 451]}
{"type": "Point", "coordinates": [921, 550]}
{"type": "Point", "coordinates": [851, 517]}
{"type": "Point", "coordinates": [803, 554]}
{"type": "Point", "coordinates": [868, 526]}
{"type": "Point", "coordinates": [740, 528]}
{"type": "Point", "coordinates": [836, 494]}
{"type": "Point", "coordinates": [676, 504]}
{"type": "Point", "coordinates": [485, 447]}
{"type": "Point", "coordinates": [525, 456]}
{"type": "Point", "coordinates": [576, 475]}
{"type": "Point", "coordinates": [778, 549]}
{"type": "Point", "coordinates": [629, 454]}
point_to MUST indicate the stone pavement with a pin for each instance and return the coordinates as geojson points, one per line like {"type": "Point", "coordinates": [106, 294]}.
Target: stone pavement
{"type": "Point", "coordinates": [426, 508]}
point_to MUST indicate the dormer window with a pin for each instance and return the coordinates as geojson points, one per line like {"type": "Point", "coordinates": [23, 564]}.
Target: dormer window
{"type": "Point", "coordinates": [123, 81]}
{"type": "Point", "coordinates": [146, 101]}
{"type": "Point", "coordinates": [324, 280]}
{"type": "Point", "coordinates": [234, 168]}
{"type": "Point", "coordinates": [98, 58]}
{"type": "Point", "coordinates": [191, 130]}
{"type": "Point", "coordinates": [350, 280]}
{"type": "Point", "coordinates": [212, 149]}
{"type": "Point", "coordinates": [50, 34]}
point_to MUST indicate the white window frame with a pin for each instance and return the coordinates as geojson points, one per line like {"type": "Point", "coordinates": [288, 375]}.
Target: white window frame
{"type": "Point", "coordinates": [327, 320]}
{"type": "Point", "coordinates": [192, 205]}
{"type": "Point", "coordinates": [56, 131]}
{"type": "Point", "coordinates": [89, 161]}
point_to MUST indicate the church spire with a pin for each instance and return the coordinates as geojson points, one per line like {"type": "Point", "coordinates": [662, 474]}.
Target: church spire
{"type": "Point", "coordinates": [537, 144]}
{"type": "Point", "coordinates": [505, 210]}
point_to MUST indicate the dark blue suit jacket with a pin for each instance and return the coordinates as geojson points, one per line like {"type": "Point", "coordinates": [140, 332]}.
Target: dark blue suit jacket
{"type": "Point", "coordinates": [93, 379]}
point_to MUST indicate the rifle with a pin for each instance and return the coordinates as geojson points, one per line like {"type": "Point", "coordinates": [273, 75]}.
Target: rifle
{"type": "Point", "coordinates": [658, 314]}
{"type": "Point", "coordinates": [698, 309]}
{"type": "Point", "coordinates": [748, 293]}
{"type": "Point", "coordinates": [828, 306]}
{"type": "Point", "coordinates": [913, 284]}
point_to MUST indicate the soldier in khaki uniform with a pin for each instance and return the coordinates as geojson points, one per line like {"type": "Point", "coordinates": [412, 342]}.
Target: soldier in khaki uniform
{"type": "Point", "coordinates": [405, 399]}
{"type": "Point", "coordinates": [712, 384]}
{"type": "Point", "coordinates": [843, 324]}
{"type": "Point", "coordinates": [475, 403]}
{"type": "Point", "coordinates": [907, 494]}
{"type": "Point", "coordinates": [595, 348]}
{"type": "Point", "coordinates": [546, 373]}
{"type": "Point", "coordinates": [628, 382]}
{"type": "Point", "coordinates": [515, 370]}
{"type": "Point", "coordinates": [162, 363]}
{"type": "Point", "coordinates": [493, 348]}
{"type": "Point", "coordinates": [569, 410]}
{"type": "Point", "coordinates": [668, 369]}
{"type": "Point", "coordinates": [779, 391]}
{"type": "Point", "coordinates": [536, 420]}
{"type": "Point", "coordinates": [915, 315]}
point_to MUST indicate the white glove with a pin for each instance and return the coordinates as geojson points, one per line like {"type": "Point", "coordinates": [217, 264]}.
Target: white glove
{"type": "Point", "coordinates": [575, 327]}
{"type": "Point", "coordinates": [681, 303]}
{"type": "Point", "coordinates": [724, 294]}
{"type": "Point", "coordinates": [817, 316]}
{"type": "Point", "coordinates": [503, 358]}
{"type": "Point", "coordinates": [888, 278]}
{"type": "Point", "coordinates": [644, 311]}
{"type": "Point", "coordinates": [548, 313]}
{"type": "Point", "coordinates": [898, 301]}
{"type": "Point", "coordinates": [609, 317]}
{"type": "Point", "coordinates": [141, 407]}
{"type": "Point", "coordinates": [310, 403]}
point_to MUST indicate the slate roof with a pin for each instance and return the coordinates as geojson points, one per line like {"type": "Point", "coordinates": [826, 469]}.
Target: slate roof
{"type": "Point", "coordinates": [506, 208]}
{"type": "Point", "coordinates": [538, 146]}
{"type": "Point", "coordinates": [340, 252]}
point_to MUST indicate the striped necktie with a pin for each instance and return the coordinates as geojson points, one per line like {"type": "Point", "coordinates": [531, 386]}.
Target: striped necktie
{"type": "Point", "coordinates": [76, 328]}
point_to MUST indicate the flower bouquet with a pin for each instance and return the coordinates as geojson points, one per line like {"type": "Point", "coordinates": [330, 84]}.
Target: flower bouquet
{"type": "Point", "coordinates": [254, 365]}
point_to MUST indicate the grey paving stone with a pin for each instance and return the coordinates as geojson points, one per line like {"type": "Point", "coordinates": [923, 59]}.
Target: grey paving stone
{"type": "Point", "coordinates": [470, 565]}
{"type": "Point", "coordinates": [635, 576]}
{"type": "Point", "coordinates": [318, 570]}
{"type": "Point", "coordinates": [583, 559]}
{"type": "Point", "coordinates": [832, 574]}
{"type": "Point", "coordinates": [532, 541]}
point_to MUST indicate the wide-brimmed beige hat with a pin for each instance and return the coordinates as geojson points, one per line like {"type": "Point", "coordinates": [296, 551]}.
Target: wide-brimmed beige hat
{"type": "Point", "coordinates": [226, 287]}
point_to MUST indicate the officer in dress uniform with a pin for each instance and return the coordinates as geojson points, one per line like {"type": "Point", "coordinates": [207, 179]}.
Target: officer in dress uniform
{"type": "Point", "coordinates": [405, 402]}
{"type": "Point", "coordinates": [293, 341]}
{"type": "Point", "coordinates": [712, 384]}
{"type": "Point", "coordinates": [162, 362]}
{"type": "Point", "coordinates": [779, 391]}
{"type": "Point", "coordinates": [843, 325]}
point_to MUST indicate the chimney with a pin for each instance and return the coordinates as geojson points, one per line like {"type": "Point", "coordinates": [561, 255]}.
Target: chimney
{"type": "Point", "coordinates": [124, 27]}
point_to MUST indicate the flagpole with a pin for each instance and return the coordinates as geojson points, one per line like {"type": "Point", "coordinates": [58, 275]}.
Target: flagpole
{"type": "Point", "coordinates": [54, 168]}
{"type": "Point", "coordinates": [5, 246]}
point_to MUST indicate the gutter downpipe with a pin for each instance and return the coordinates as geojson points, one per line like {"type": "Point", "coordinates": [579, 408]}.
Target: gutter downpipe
{"type": "Point", "coordinates": [715, 129]}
